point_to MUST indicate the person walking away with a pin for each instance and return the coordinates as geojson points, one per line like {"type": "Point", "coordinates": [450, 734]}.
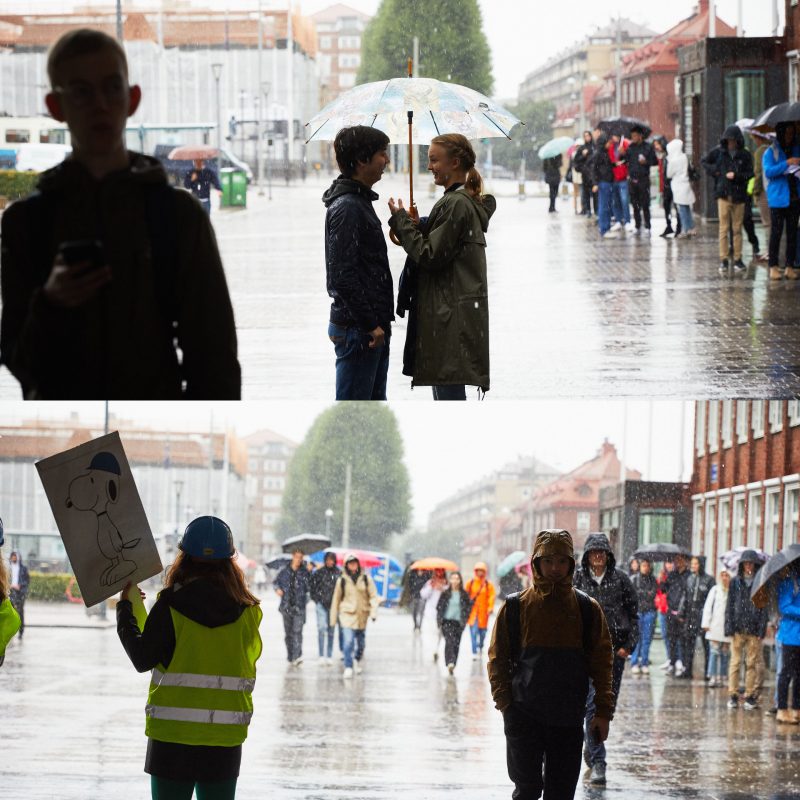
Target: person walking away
{"type": "Point", "coordinates": [602, 172]}
{"type": "Point", "coordinates": [639, 157]}
{"type": "Point", "coordinates": [645, 585]}
{"type": "Point", "coordinates": [413, 581]}
{"type": "Point", "coordinates": [201, 642]}
{"type": "Point", "coordinates": [199, 182]}
{"type": "Point", "coordinates": [20, 580]}
{"type": "Point", "coordinates": [681, 187]}
{"type": "Point", "coordinates": [552, 177]}
{"type": "Point", "coordinates": [698, 585]}
{"type": "Point", "coordinates": [780, 165]}
{"type": "Point", "coordinates": [665, 189]}
{"type": "Point", "coordinates": [620, 199]}
{"type": "Point", "coordinates": [731, 167]}
{"type": "Point", "coordinates": [452, 613]}
{"type": "Point", "coordinates": [9, 619]}
{"type": "Point", "coordinates": [481, 593]}
{"type": "Point", "coordinates": [322, 582]}
{"type": "Point", "coordinates": [451, 347]}
{"type": "Point", "coordinates": [548, 646]}
{"type": "Point", "coordinates": [112, 283]}
{"type": "Point", "coordinates": [713, 624]}
{"type": "Point", "coordinates": [355, 601]}
{"type": "Point", "coordinates": [747, 626]}
{"type": "Point", "coordinates": [581, 163]}
{"type": "Point", "coordinates": [510, 583]}
{"type": "Point", "coordinates": [292, 586]}
{"type": "Point", "coordinates": [789, 637]}
{"type": "Point", "coordinates": [759, 187]}
{"type": "Point", "coordinates": [359, 280]}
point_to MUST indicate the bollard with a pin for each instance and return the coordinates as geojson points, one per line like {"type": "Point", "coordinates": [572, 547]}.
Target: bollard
{"type": "Point", "coordinates": [521, 192]}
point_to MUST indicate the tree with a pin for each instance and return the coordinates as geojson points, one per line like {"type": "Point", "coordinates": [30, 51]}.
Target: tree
{"type": "Point", "coordinates": [367, 436]}
{"type": "Point", "coordinates": [454, 48]}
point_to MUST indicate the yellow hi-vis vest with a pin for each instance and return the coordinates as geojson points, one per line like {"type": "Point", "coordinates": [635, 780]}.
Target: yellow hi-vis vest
{"type": "Point", "coordinates": [205, 695]}
{"type": "Point", "coordinates": [9, 623]}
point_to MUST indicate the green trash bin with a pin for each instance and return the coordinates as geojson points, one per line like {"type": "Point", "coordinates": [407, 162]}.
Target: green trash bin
{"type": "Point", "coordinates": [234, 188]}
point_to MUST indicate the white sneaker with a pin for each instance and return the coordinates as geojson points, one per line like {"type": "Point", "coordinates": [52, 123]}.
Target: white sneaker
{"type": "Point", "coordinates": [666, 665]}
{"type": "Point", "coordinates": [616, 227]}
{"type": "Point", "coordinates": [645, 670]}
{"type": "Point", "coordinates": [679, 670]}
{"type": "Point", "coordinates": [358, 668]}
{"type": "Point", "coordinates": [630, 227]}
{"type": "Point", "coordinates": [298, 661]}
{"type": "Point", "coordinates": [348, 672]}
{"type": "Point", "coordinates": [635, 670]}
{"type": "Point", "coordinates": [611, 234]}
{"type": "Point", "coordinates": [451, 668]}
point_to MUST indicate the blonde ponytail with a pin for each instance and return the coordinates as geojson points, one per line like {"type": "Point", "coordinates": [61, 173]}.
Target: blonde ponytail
{"type": "Point", "coordinates": [458, 146]}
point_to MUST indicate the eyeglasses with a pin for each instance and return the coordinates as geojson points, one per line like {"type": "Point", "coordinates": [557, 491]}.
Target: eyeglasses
{"type": "Point", "coordinates": [82, 95]}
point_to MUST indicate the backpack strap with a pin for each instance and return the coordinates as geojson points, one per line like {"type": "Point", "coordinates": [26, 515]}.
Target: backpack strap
{"type": "Point", "coordinates": [514, 630]}
{"type": "Point", "coordinates": [587, 613]}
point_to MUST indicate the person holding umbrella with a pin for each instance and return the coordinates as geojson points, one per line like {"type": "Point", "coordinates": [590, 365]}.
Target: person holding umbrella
{"type": "Point", "coordinates": [602, 178]}
{"type": "Point", "coordinates": [789, 637]}
{"type": "Point", "coordinates": [552, 177]}
{"type": "Point", "coordinates": [451, 311]}
{"type": "Point", "coordinates": [199, 182]}
{"type": "Point", "coordinates": [645, 586]}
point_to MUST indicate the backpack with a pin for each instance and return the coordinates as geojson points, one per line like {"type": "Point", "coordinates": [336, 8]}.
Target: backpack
{"type": "Point", "coordinates": [515, 630]}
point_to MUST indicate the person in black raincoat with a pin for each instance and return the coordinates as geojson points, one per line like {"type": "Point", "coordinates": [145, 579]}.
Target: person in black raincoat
{"type": "Point", "coordinates": [552, 177]}
{"type": "Point", "coordinates": [291, 585]}
{"type": "Point", "coordinates": [600, 578]}
{"type": "Point", "coordinates": [581, 162]}
{"type": "Point", "coordinates": [698, 585]}
{"type": "Point", "coordinates": [675, 590]}
{"type": "Point", "coordinates": [639, 157]}
{"type": "Point", "coordinates": [321, 584]}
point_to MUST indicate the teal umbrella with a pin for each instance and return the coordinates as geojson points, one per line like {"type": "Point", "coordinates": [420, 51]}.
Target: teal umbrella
{"type": "Point", "coordinates": [556, 147]}
{"type": "Point", "coordinates": [511, 561]}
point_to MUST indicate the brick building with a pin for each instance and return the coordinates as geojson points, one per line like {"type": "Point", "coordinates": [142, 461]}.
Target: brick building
{"type": "Point", "coordinates": [792, 43]}
{"type": "Point", "coordinates": [339, 33]}
{"type": "Point", "coordinates": [746, 479]}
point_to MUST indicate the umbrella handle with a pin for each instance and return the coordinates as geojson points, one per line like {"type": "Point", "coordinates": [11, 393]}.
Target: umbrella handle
{"type": "Point", "coordinates": [392, 234]}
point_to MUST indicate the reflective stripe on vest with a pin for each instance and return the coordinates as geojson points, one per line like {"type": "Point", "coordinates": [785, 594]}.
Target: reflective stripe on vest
{"type": "Point", "coordinates": [203, 681]}
{"type": "Point", "coordinates": [204, 715]}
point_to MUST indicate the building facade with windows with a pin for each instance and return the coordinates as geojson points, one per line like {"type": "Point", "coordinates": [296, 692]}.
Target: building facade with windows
{"type": "Point", "coordinates": [339, 33]}
{"type": "Point", "coordinates": [746, 479]}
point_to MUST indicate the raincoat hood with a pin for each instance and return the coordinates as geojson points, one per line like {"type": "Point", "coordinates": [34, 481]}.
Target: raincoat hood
{"type": "Point", "coordinates": [343, 186]}
{"type": "Point", "coordinates": [674, 147]}
{"type": "Point", "coordinates": [480, 565]}
{"type": "Point", "coordinates": [64, 177]}
{"type": "Point", "coordinates": [204, 602]}
{"type": "Point", "coordinates": [749, 555]}
{"type": "Point", "coordinates": [732, 132]}
{"type": "Point", "coordinates": [598, 541]}
{"type": "Point", "coordinates": [552, 543]}
{"type": "Point", "coordinates": [347, 559]}
{"type": "Point", "coordinates": [484, 207]}
{"type": "Point", "coordinates": [17, 554]}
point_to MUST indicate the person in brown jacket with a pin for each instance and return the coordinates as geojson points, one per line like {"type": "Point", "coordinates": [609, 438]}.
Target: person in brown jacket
{"type": "Point", "coordinates": [540, 681]}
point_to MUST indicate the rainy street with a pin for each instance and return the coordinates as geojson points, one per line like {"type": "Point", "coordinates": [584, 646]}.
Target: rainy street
{"type": "Point", "coordinates": [74, 724]}
{"type": "Point", "coordinates": [571, 316]}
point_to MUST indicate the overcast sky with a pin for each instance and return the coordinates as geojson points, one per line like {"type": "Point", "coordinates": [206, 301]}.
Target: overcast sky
{"type": "Point", "coordinates": [522, 33]}
{"type": "Point", "coordinates": [446, 445]}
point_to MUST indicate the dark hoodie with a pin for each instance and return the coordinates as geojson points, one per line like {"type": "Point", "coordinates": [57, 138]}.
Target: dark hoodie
{"type": "Point", "coordinates": [720, 161]}
{"type": "Point", "coordinates": [119, 344]}
{"type": "Point", "coordinates": [601, 168]}
{"type": "Point", "coordinates": [741, 614]}
{"type": "Point", "coordinates": [322, 583]}
{"type": "Point", "coordinates": [615, 593]}
{"type": "Point", "coordinates": [356, 260]}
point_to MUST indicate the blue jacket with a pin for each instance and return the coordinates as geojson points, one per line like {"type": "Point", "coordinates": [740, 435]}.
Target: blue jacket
{"type": "Point", "coordinates": [789, 610]}
{"type": "Point", "coordinates": [774, 163]}
{"type": "Point", "coordinates": [293, 602]}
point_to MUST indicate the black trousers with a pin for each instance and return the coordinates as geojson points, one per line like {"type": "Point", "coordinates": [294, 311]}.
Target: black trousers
{"type": "Point", "coordinates": [451, 631]}
{"type": "Point", "coordinates": [588, 198]}
{"type": "Point", "coordinates": [749, 226]}
{"type": "Point", "coordinates": [17, 599]}
{"type": "Point", "coordinates": [689, 642]}
{"type": "Point", "coordinates": [780, 217]}
{"type": "Point", "coordinates": [293, 621]}
{"type": "Point", "coordinates": [674, 636]}
{"type": "Point", "coordinates": [668, 204]}
{"type": "Point", "coordinates": [640, 199]}
{"type": "Point", "coordinates": [553, 195]}
{"type": "Point", "coordinates": [790, 673]}
{"type": "Point", "coordinates": [541, 757]}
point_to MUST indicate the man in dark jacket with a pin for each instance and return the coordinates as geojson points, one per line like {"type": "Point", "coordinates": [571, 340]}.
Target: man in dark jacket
{"type": "Point", "coordinates": [322, 583]}
{"type": "Point", "coordinates": [747, 624]}
{"type": "Point", "coordinates": [675, 590]}
{"type": "Point", "coordinates": [731, 166]}
{"type": "Point", "coordinates": [581, 162]}
{"type": "Point", "coordinates": [357, 265]}
{"type": "Point", "coordinates": [552, 177]}
{"type": "Point", "coordinates": [602, 177]}
{"type": "Point", "coordinates": [18, 587]}
{"type": "Point", "coordinates": [292, 585]}
{"type": "Point", "coordinates": [639, 157]}
{"type": "Point", "coordinates": [698, 585]}
{"type": "Point", "coordinates": [611, 587]}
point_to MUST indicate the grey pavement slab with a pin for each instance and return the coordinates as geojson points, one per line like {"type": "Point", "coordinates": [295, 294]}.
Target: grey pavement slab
{"type": "Point", "coordinates": [571, 315]}
{"type": "Point", "coordinates": [73, 727]}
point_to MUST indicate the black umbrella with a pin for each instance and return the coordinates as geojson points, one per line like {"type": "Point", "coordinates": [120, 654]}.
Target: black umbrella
{"type": "Point", "coordinates": [279, 562]}
{"type": "Point", "coordinates": [767, 576]}
{"type": "Point", "coordinates": [660, 551]}
{"type": "Point", "coordinates": [621, 126]}
{"type": "Point", "coordinates": [307, 542]}
{"type": "Point", "coordinates": [769, 119]}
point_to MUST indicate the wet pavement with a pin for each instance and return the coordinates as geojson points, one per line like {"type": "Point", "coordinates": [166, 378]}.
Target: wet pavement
{"type": "Point", "coordinates": [73, 726]}
{"type": "Point", "coordinates": [571, 316]}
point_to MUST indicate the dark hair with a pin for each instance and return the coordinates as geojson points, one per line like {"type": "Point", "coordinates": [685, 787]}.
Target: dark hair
{"type": "Point", "coordinates": [458, 146]}
{"type": "Point", "coordinates": [460, 579]}
{"type": "Point", "coordinates": [224, 572]}
{"type": "Point", "coordinates": [357, 145]}
{"type": "Point", "coordinates": [80, 42]}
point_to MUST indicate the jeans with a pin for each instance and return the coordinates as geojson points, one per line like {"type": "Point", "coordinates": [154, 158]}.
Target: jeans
{"type": "Point", "coordinates": [477, 635]}
{"type": "Point", "coordinates": [354, 643]}
{"type": "Point", "coordinates": [604, 206]}
{"type": "Point", "coordinates": [451, 631]}
{"type": "Point", "coordinates": [541, 757]}
{"type": "Point", "coordinates": [324, 631]}
{"type": "Point", "coordinates": [641, 654]}
{"type": "Point", "coordinates": [453, 391]}
{"type": "Point", "coordinates": [417, 612]}
{"type": "Point", "coordinates": [621, 202]}
{"type": "Point", "coordinates": [596, 751]}
{"type": "Point", "coordinates": [718, 660]}
{"type": "Point", "coordinates": [206, 205]}
{"type": "Point", "coordinates": [360, 369]}
{"type": "Point", "coordinates": [780, 217]}
{"type": "Point", "coordinates": [685, 218]}
{"type": "Point", "coordinates": [17, 598]}
{"type": "Point", "coordinates": [640, 197]}
{"type": "Point", "coordinates": [790, 673]}
{"type": "Point", "coordinates": [293, 621]}
{"type": "Point", "coordinates": [668, 204]}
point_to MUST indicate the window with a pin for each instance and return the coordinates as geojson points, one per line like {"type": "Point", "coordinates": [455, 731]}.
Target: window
{"type": "Point", "coordinates": [349, 42]}
{"type": "Point", "coordinates": [724, 522]}
{"type": "Point", "coordinates": [727, 423]}
{"type": "Point", "coordinates": [347, 80]}
{"type": "Point", "coordinates": [741, 421]}
{"type": "Point", "coordinates": [53, 136]}
{"type": "Point", "coordinates": [325, 43]}
{"type": "Point", "coordinates": [775, 416]}
{"type": "Point", "coordinates": [758, 419]}
{"type": "Point", "coordinates": [18, 135]}
{"type": "Point", "coordinates": [655, 525]}
{"type": "Point", "coordinates": [790, 515]}
{"type": "Point", "coordinates": [738, 521]}
{"type": "Point", "coordinates": [744, 93]}
{"type": "Point", "coordinates": [772, 520]}
{"type": "Point", "coordinates": [713, 426]}
{"type": "Point", "coordinates": [754, 520]}
{"type": "Point", "coordinates": [584, 521]}
{"type": "Point", "coordinates": [700, 428]}
{"type": "Point", "coordinates": [624, 92]}
{"type": "Point", "coordinates": [639, 91]}
{"type": "Point", "coordinates": [794, 413]}
{"type": "Point", "coordinates": [711, 530]}
{"type": "Point", "coordinates": [697, 525]}
{"type": "Point", "coordinates": [647, 90]}
{"type": "Point", "coordinates": [349, 61]}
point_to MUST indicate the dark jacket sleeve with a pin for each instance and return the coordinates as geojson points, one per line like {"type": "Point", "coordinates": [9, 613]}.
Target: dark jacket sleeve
{"type": "Point", "coordinates": [499, 662]}
{"type": "Point", "coordinates": [630, 605]}
{"type": "Point", "coordinates": [155, 644]}
{"type": "Point", "coordinates": [441, 606]}
{"type": "Point", "coordinates": [710, 162]}
{"type": "Point", "coordinates": [730, 609]}
{"type": "Point", "coordinates": [24, 579]}
{"type": "Point", "coordinates": [206, 327]}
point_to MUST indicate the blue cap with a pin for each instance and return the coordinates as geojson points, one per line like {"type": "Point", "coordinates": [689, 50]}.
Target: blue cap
{"type": "Point", "coordinates": [207, 537]}
{"type": "Point", "coordinates": [107, 462]}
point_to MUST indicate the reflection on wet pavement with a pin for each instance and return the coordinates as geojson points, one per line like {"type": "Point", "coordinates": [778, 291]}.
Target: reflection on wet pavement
{"type": "Point", "coordinates": [74, 727]}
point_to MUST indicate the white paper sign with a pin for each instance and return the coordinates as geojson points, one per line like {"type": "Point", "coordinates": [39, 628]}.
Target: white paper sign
{"type": "Point", "coordinates": [100, 517]}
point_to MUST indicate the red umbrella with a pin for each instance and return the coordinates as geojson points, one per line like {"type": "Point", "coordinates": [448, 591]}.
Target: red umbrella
{"type": "Point", "coordinates": [366, 558]}
{"type": "Point", "coordinates": [193, 152]}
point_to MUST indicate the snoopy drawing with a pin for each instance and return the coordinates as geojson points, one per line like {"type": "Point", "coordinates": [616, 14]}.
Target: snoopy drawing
{"type": "Point", "coordinates": [95, 490]}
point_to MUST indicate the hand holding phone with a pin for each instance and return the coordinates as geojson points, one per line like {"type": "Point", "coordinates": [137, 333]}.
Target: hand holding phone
{"type": "Point", "coordinates": [79, 272]}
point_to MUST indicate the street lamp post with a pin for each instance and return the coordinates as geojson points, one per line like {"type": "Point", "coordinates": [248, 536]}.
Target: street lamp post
{"type": "Point", "coordinates": [241, 118]}
{"type": "Point", "coordinates": [265, 87]}
{"type": "Point", "coordinates": [216, 69]}
{"type": "Point", "coordinates": [328, 518]}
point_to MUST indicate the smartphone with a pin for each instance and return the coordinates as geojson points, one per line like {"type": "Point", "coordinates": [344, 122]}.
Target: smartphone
{"type": "Point", "coordinates": [81, 250]}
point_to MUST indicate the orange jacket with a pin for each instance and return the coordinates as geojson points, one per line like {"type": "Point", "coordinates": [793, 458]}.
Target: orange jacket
{"type": "Point", "coordinates": [481, 592]}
